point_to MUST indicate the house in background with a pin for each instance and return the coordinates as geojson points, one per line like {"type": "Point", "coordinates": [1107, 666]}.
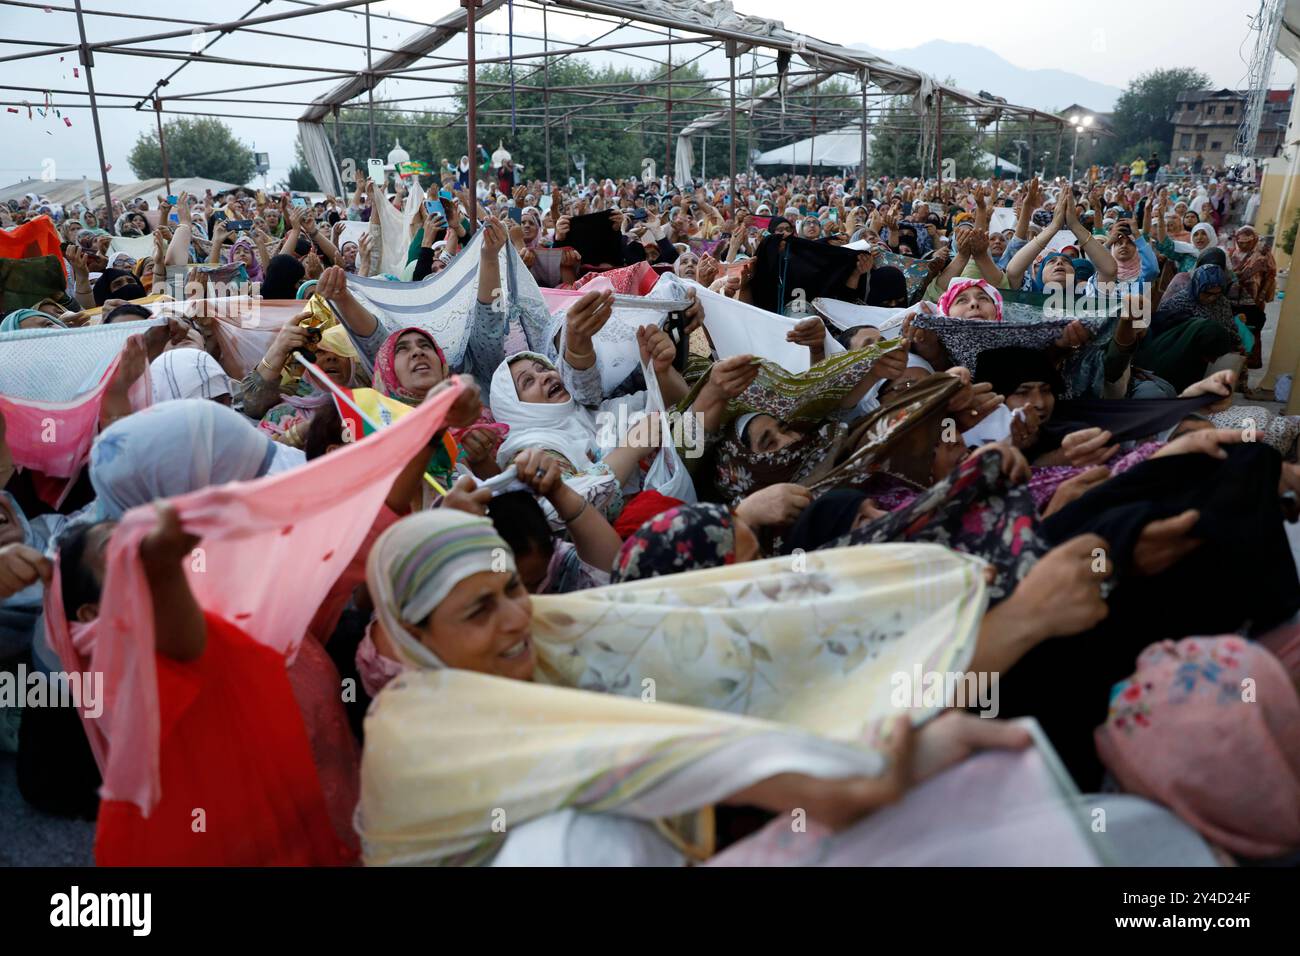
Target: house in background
{"type": "Point", "coordinates": [1207, 121]}
{"type": "Point", "coordinates": [1101, 125]}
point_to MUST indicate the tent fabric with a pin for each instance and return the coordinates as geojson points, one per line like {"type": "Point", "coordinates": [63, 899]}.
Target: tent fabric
{"type": "Point", "coordinates": [840, 148]}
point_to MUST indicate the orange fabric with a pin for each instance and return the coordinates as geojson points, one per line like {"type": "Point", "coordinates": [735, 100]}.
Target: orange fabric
{"type": "Point", "coordinates": [36, 237]}
{"type": "Point", "coordinates": [239, 787]}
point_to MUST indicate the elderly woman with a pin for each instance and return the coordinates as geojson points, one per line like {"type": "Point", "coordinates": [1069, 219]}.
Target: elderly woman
{"type": "Point", "coordinates": [1255, 285]}
{"type": "Point", "coordinates": [455, 629]}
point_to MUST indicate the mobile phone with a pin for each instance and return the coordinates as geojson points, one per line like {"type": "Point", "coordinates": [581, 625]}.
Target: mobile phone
{"type": "Point", "coordinates": [446, 194]}
{"type": "Point", "coordinates": [639, 215]}
{"type": "Point", "coordinates": [377, 174]}
{"type": "Point", "coordinates": [239, 225]}
{"type": "Point", "coordinates": [171, 200]}
{"type": "Point", "coordinates": [432, 208]}
{"type": "Point", "coordinates": [297, 201]}
{"type": "Point", "coordinates": [515, 213]}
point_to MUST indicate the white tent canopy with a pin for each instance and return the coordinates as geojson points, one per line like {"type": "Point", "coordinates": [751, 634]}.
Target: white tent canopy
{"type": "Point", "coordinates": [840, 148]}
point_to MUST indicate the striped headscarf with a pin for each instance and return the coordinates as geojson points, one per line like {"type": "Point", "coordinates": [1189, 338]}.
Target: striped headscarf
{"type": "Point", "coordinates": [414, 565]}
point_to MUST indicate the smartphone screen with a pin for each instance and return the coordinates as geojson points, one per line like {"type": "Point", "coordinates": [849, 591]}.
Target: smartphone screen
{"type": "Point", "coordinates": [446, 194]}
{"type": "Point", "coordinates": [516, 213]}
{"type": "Point", "coordinates": [297, 201]}
{"type": "Point", "coordinates": [171, 200]}
{"type": "Point", "coordinates": [377, 175]}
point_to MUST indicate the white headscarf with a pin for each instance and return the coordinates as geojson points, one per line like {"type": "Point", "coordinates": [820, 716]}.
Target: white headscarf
{"type": "Point", "coordinates": [565, 427]}
{"type": "Point", "coordinates": [1209, 230]}
{"type": "Point", "coordinates": [187, 373]}
{"type": "Point", "coordinates": [173, 448]}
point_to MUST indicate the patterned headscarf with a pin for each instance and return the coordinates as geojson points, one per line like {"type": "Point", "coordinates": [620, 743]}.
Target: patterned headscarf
{"type": "Point", "coordinates": [960, 285]}
{"type": "Point", "coordinates": [1198, 719]}
{"type": "Point", "coordinates": [413, 566]}
{"type": "Point", "coordinates": [385, 376]}
{"type": "Point", "coordinates": [685, 538]}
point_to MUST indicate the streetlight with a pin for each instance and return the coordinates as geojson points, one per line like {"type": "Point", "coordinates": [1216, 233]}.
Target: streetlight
{"type": "Point", "coordinates": [1080, 123]}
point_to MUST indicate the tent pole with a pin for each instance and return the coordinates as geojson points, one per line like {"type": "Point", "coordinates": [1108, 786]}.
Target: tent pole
{"type": "Point", "coordinates": [162, 143]}
{"type": "Point", "coordinates": [87, 58]}
{"type": "Point", "coordinates": [370, 87]}
{"type": "Point", "coordinates": [732, 53]}
{"type": "Point", "coordinates": [812, 145]}
{"type": "Point", "coordinates": [938, 137]}
{"type": "Point", "coordinates": [546, 95]}
{"type": "Point", "coordinates": [668, 135]}
{"type": "Point", "coordinates": [862, 186]}
{"type": "Point", "coordinates": [471, 108]}
{"type": "Point", "coordinates": [749, 118]}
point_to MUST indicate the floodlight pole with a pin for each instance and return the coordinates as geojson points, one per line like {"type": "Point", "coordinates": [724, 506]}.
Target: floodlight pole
{"type": "Point", "coordinates": [1056, 166]}
{"type": "Point", "coordinates": [162, 143]}
{"type": "Point", "coordinates": [370, 87]}
{"type": "Point", "coordinates": [87, 58]}
{"type": "Point", "coordinates": [471, 107]}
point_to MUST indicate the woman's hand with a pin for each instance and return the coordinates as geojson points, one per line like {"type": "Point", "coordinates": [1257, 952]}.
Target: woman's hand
{"type": "Point", "coordinates": [1089, 446]}
{"type": "Point", "coordinates": [1204, 441]}
{"type": "Point", "coordinates": [774, 506]}
{"type": "Point", "coordinates": [1075, 488]}
{"type": "Point", "coordinates": [333, 284]}
{"type": "Point", "coordinates": [539, 471]}
{"type": "Point", "coordinates": [466, 496]}
{"type": "Point", "coordinates": [21, 567]}
{"type": "Point", "coordinates": [480, 445]}
{"type": "Point", "coordinates": [168, 543]}
{"type": "Point", "coordinates": [1076, 334]}
{"type": "Point", "coordinates": [291, 337]}
{"type": "Point", "coordinates": [585, 318]}
{"type": "Point", "coordinates": [1163, 544]}
{"type": "Point", "coordinates": [1061, 594]}
{"type": "Point", "coordinates": [494, 238]}
{"type": "Point", "coordinates": [1014, 465]}
{"type": "Point", "coordinates": [656, 347]}
{"type": "Point", "coordinates": [811, 334]}
{"type": "Point", "coordinates": [468, 406]}
{"type": "Point", "coordinates": [953, 736]}
{"type": "Point", "coordinates": [731, 376]}
{"type": "Point", "coordinates": [1221, 383]}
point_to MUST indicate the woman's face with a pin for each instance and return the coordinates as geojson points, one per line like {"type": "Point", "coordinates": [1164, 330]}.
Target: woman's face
{"type": "Point", "coordinates": [947, 456]}
{"type": "Point", "coordinates": [537, 383]}
{"type": "Point", "coordinates": [765, 434]}
{"type": "Point", "coordinates": [1209, 294]}
{"type": "Point", "coordinates": [1189, 220]}
{"type": "Point", "coordinates": [417, 364]}
{"type": "Point", "coordinates": [1123, 248]}
{"type": "Point", "coordinates": [997, 244]}
{"type": "Point", "coordinates": [349, 255]}
{"type": "Point", "coordinates": [71, 230]}
{"type": "Point", "coordinates": [1200, 240]}
{"type": "Point", "coordinates": [686, 264]}
{"type": "Point", "coordinates": [529, 225]}
{"type": "Point", "coordinates": [41, 321]}
{"type": "Point", "coordinates": [865, 337]}
{"type": "Point", "coordinates": [1037, 395]}
{"type": "Point", "coordinates": [243, 254]}
{"type": "Point", "coordinates": [811, 229]}
{"type": "Point", "coordinates": [783, 229]}
{"type": "Point", "coordinates": [337, 367]}
{"type": "Point", "coordinates": [867, 513]}
{"type": "Point", "coordinates": [974, 303]}
{"type": "Point", "coordinates": [484, 624]}
{"type": "Point", "coordinates": [1246, 239]}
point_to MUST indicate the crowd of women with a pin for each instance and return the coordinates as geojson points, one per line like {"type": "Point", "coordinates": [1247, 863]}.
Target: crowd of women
{"type": "Point", "coordinates": [604, 523]}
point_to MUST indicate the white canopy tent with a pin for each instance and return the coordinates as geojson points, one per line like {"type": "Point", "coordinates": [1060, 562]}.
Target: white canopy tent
{"type": "Point", "coordinates": [841, 148]}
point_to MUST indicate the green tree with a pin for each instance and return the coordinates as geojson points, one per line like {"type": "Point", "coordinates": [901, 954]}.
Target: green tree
{"type": "Point", "coordinates": [899, 149]}
{"type": "Point", "coordinates": [195, 147]}
{"type": "Point", "coordinates": [1145, 111]}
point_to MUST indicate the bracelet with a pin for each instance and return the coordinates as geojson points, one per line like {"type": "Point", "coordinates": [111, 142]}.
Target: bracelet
{"type": "Point", "coordinates": [263, 364]}
{"type": "Point", "coordinates": [578, 515]}
{"type": "Point", "coordinates": [579, 355]}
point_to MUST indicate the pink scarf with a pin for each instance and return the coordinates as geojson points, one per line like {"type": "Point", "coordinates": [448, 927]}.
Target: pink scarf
{"type": "Point", "coordinates": [1210, 727]}
{"type": "Point", "coordinates": [957, 286]}
{"type": "Point", "coordinates": [272, 549]}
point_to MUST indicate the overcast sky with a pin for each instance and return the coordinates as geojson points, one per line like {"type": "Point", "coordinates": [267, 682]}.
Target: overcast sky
{"type": "Point", "coordinates": [1136, 37]}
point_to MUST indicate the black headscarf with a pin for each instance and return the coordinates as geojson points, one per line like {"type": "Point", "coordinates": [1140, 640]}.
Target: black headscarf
{"type": "Point", "coordinates": [131, 291]}
{"type": "Point", "coordinates": [283, 273]}
{"type": "Point", "coordinates": [829, 517]}
{"type": "Point", "coordinates": [1009, 368]}
{"type": "Point", "coordinates": [888, 284]}
{"type": "Point", "coordinates": [1213, 256]}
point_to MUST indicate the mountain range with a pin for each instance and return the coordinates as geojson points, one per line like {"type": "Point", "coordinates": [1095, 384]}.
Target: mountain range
{"type": "Point", "coordinates": [977, 68]}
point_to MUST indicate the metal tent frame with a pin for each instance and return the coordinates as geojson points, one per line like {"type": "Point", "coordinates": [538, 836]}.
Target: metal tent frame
{"type": "Point", "coordinates": [798, 64]}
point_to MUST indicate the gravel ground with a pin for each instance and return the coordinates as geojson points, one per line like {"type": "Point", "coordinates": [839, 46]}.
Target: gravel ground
{"type": "Point", "coordinates": [31, 838]}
